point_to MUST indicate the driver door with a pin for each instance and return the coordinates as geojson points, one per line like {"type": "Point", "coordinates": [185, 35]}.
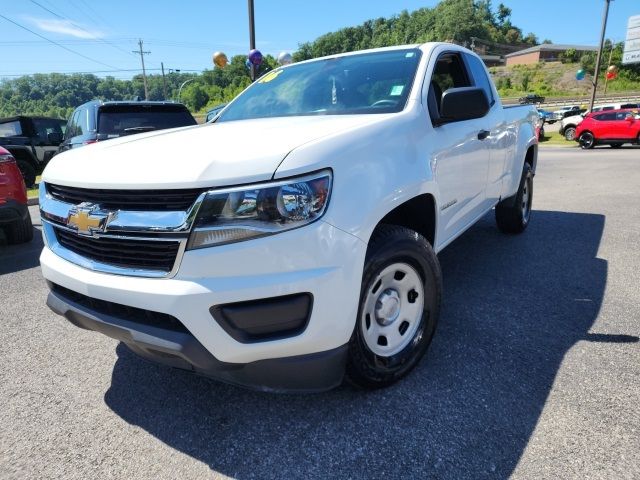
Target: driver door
{"type": "Point", "coordinates": [460, 160]}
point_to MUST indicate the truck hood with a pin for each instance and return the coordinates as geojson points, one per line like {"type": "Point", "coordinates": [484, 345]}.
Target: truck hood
{"type": "Point", "coordinates": [209, 155]}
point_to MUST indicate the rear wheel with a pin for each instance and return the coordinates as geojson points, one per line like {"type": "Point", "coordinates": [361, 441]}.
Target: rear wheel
{"type": "Point", "coordinates": [587, 140]}
{"type": "Point", "coordinates": [570, 133]}
{"type": "Point", "coordinates": [28, 172]}
{"type": "Point", "coordinates": [513, 214]}
{"type": "Point", "coordinates": [399, 307]}
{"type": "Point", "coordinates": [20, 231]}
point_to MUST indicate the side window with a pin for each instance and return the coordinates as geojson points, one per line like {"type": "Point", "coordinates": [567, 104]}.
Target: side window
{"type": "Point", "coordinates": [622, 115]}
{"type": "Point", "coordinates": [449, 72]}
{"type": "Point", "coordinates": [83, 127]}
{"type": "Point", "coordinates": [10, 129]}
{"type": "Point", "coordinates": [479, 74]}
{"type": "Point", "coordinates": [72, 127]}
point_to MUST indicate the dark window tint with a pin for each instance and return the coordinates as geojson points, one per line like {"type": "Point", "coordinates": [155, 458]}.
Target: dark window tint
{"type": "Point", "coordinates": [622, 115]}
{"type": "Point", "coordinates": [45, 126]}
{"type": "Point", "coordinates": [10, 129]}
{"type": "Point", "coordinates": [605, 117]}
{"type": "Point", "coordinates": [480, 78]}
{"type": "Point", "coordinates": [117, 120]}
{"type": "Point", "coordinates": [630, 105]}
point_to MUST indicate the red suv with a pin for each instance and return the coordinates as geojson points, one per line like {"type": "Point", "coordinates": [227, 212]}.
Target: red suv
{"type": "Point", "coordinates": [14, 214]}
{"type": "Point", "coordinates": [613, 127]}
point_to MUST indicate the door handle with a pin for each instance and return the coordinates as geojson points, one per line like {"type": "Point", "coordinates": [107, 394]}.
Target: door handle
{"type": "Point", "coordinates": [482, 134]}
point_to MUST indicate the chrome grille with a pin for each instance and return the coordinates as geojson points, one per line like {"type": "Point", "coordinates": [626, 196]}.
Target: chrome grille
{"type": "Point", "coordinates": [158, 255]}
{"type": "Point", "coordinates": [133, 200]}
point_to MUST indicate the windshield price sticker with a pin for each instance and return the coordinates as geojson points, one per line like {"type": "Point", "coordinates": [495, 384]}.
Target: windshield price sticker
{"type": "Point", "coordinates": [396, 90]}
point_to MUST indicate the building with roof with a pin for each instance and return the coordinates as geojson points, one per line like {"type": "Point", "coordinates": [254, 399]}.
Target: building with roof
{"type": "Point", "coordinates": [547, 52]}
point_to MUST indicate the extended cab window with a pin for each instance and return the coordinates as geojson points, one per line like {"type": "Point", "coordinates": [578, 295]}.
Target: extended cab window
{"type": "Point", "coordinates": [479, 74]}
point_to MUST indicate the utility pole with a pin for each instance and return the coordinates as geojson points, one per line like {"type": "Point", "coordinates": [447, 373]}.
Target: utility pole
{"type": "Point", "coordinates": [144, 72]}
{"type": "Point", "coordinates": [164, 82]}
{"type": "Point", "coordinates": [252, 37]}
{"type": "Point", "coordinates": [605, 15]}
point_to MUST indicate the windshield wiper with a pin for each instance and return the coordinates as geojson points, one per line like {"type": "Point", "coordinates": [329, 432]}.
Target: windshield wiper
{"type": "Point", "coordinates": [139, 129]}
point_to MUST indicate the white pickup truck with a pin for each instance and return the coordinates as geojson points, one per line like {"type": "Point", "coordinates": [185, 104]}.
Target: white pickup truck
{"type": "Point", "coordinates": [292, 242]}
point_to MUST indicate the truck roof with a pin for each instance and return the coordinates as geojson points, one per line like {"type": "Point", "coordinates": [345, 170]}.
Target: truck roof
{"type": "Point", "coordinates": [21, 117]}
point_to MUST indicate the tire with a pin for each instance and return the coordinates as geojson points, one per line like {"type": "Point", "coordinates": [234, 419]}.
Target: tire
{"type": "Point", "coordinates": [513, 214]}
{"type": "Point", "coordinates": [400, 302]}
{"type": "Point", "coordinates": [570, 133]}
{"type": "Point", "coordinates": [20, 231]}
{"type": "Point", "coordinates": [615, 145]}
{"type": "Point", "coordinates": [587, 140]}
{"type": "Point", "coordinates": [28, 172]}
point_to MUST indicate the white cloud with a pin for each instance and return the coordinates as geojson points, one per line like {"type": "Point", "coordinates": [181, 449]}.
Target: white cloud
{"type": "Point", "coordinates": [65, 27]}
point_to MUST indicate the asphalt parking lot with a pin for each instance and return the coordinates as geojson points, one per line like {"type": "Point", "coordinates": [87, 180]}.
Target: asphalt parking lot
{"type": "Point", "coordinates": [534, 371]}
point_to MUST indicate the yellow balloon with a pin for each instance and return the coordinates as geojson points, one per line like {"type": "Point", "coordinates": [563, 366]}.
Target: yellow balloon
{"type": "Point", "coordinates": [220, 59]}
{"type": "Point", "coordinates": [612, 69]}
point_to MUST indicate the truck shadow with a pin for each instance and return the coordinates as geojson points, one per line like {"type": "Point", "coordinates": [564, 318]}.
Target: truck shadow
{"type": "Point", "coordinates": [512, 307]}
{"type": "Point", "coordinates": [14, 258]}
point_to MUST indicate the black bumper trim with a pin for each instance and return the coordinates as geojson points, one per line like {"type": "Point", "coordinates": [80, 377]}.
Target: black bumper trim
{"type": "Point", "coordinates": [314, 372]}
{"type": "Point", "coordinates": [13, 211]}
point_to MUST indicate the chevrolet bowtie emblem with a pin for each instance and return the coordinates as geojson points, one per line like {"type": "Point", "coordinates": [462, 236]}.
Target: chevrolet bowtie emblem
{"type": "Point", "coordinates": [87, 219]}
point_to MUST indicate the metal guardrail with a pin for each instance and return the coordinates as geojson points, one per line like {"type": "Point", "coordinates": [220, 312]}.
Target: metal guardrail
{"type": "Point", "coordinates": [573, 100]}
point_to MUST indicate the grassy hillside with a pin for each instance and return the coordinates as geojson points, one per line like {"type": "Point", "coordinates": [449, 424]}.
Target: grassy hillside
{"type": "Point", "coordinates": [552, 79]}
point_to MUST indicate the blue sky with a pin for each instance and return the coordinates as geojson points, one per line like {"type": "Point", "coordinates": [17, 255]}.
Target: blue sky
{"type": "Point", "coordinates": [185, 34]}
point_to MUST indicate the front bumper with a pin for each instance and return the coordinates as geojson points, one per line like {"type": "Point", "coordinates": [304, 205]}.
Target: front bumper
{"type": "Point", "coordinates": [318, 259]}
{"type": "Point", "coordinates": [302, 373]}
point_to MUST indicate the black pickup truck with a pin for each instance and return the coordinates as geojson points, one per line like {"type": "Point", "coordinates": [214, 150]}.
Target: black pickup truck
{"type": "Point", "coordinates": [32, 141]}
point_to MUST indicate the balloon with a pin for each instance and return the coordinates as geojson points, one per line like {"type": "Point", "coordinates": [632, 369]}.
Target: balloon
{"type": "Point", "coordinates": [285, 58]}
{"type": "Point", "coordinates": [220, 59]}
{"type": "Point", "coordinates": [611, 75]}
{"type": "Point", "coordinates": [612, 69]}
{"type": "Point", "coordinates": [580, 74]}
{"type": "Point", "coordinates": [255, 57]}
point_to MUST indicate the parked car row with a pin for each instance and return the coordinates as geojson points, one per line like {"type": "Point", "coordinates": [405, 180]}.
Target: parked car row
{"type": "Point", "coordinates": [33, 141]}
{"type": "Point", "coordinates": [613, 128]}
{"type": "Point", "coordinates": [569, 123]}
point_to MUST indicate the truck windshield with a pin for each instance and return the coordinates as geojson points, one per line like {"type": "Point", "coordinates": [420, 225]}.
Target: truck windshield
{"type": "Point", "coordinates": [365, 83]}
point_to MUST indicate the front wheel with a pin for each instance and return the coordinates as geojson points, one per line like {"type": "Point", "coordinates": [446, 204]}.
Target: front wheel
{"type": "Point", "coordinates": [587, 140]}
{"type": "Point", "coordinates": [570, 133]}
{"type": "Point", "coordinates": [513, 213]}
{"type": "Point", "coordinates": [398, 310]}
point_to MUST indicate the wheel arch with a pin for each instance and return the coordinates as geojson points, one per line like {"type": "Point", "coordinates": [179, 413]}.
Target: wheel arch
{"type": "Point", "coordinates": [417, 214]}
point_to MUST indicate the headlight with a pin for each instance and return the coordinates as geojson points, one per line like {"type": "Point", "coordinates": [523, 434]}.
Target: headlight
{"type": "Point", "coordinates": [242, 213]}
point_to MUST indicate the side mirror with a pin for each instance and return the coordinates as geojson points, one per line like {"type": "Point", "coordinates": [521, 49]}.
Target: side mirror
{"type": "Point", "coordinates": [54, 138]}
{"type": "Point", "coordinates": [464, 103]}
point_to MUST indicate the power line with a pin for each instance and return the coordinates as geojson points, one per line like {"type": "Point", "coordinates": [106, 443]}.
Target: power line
{"type": "Point", "coordinates": [124, 70]}
{"type": "Point", "coordinates": [56, 43]}
{"type": "Point", "coordinates": [106, 42]}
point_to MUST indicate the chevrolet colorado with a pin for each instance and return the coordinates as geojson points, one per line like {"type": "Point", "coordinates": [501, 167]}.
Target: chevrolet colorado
{"type": "Point", "coordinates": [292, 242]}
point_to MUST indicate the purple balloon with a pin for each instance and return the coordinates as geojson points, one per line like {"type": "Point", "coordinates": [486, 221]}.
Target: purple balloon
{"type": "Point", "coordinates": [255, 57]}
